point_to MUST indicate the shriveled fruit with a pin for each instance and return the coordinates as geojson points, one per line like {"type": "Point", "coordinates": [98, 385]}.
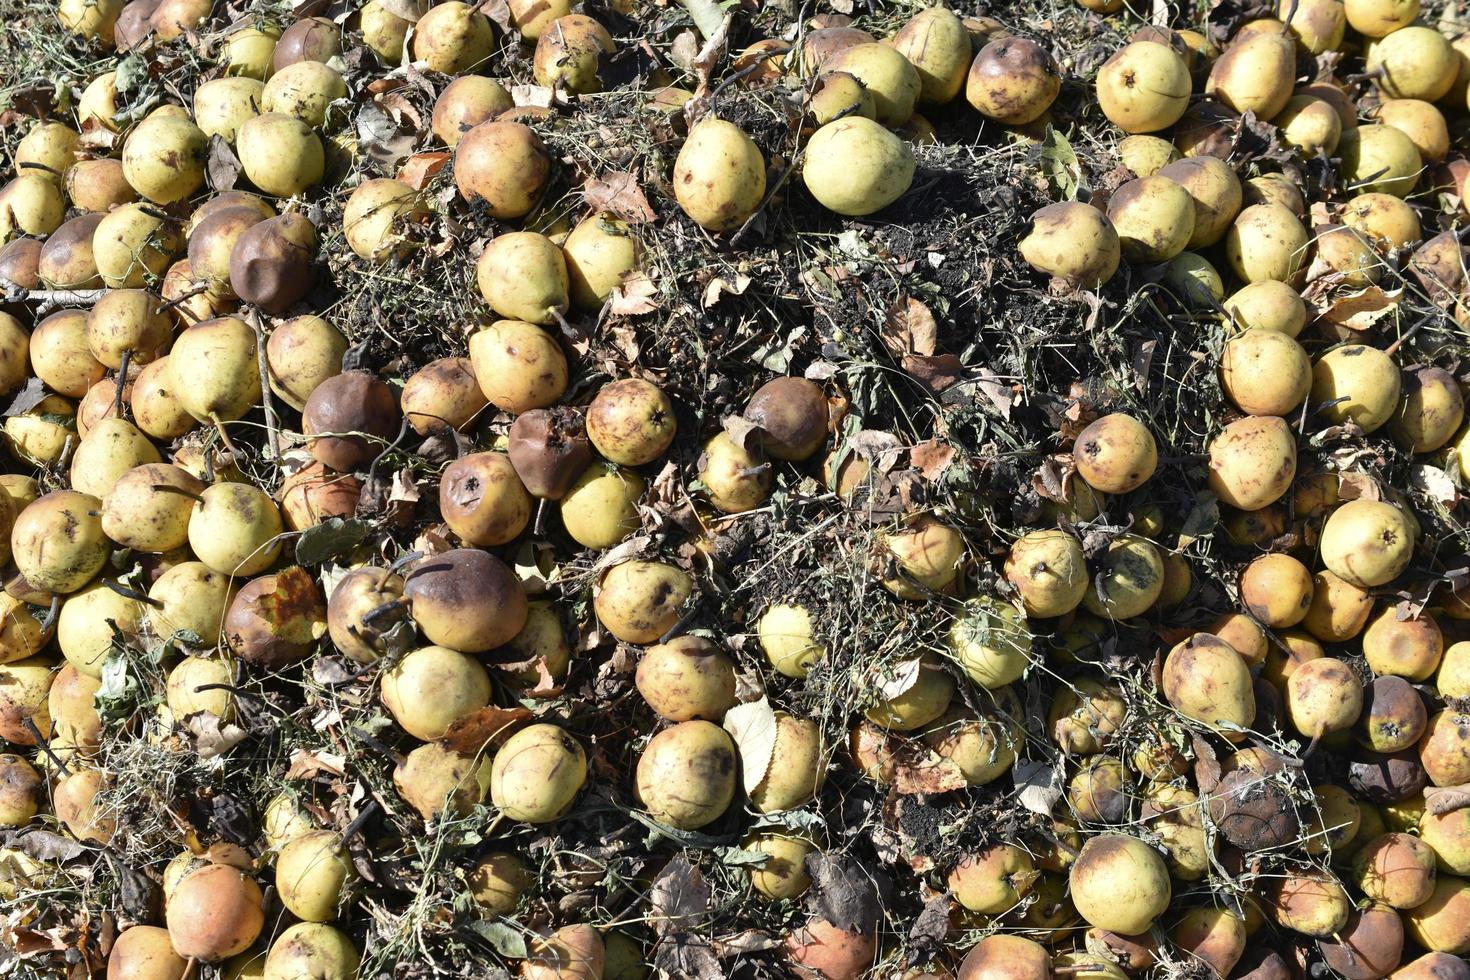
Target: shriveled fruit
{"type": "Point", "coordinates": [276, 620]}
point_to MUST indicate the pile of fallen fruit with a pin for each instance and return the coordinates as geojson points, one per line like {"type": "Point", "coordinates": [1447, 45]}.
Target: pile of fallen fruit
{"type": "Point", "coordinates": [729, 490]}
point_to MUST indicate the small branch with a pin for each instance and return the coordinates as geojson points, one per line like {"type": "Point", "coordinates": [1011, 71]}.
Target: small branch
{"type": "Point", "coordinates": [265, 385]}
{"type": "Point", "coordinates": [359, 821]}
{"type": "Point", "coordinates": [45, 746]}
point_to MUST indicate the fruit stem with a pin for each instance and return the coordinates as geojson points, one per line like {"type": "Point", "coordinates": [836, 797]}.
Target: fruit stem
{"type": "Point", "coordinates": [49, 623]}
{"type": "Point", "coordinates": [360, 821]}
{"type": "Point", "coordinates": [392, 605]}
{"type": "Point", "coordinates": [45, 746]}
{"type": "Point", "coordinates": [182, 297]}
{"type": "Point", "coordinates": [405, 559]}
{"type": "Point", "coordinates": [170, 488]}
{"type": "Point", "coordinates": [371, 741]}
{"type": "Point", "coordinates": [133, 594]}
{"type": "Point", "coordinates": [122, 380]}
{"type": "Point", "coordinates": [224, 436]}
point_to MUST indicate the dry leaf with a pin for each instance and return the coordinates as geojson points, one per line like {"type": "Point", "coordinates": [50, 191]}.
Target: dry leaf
{"type": "Point", "coordinates": [679, 894]}
{"type": "Point", "coordinates": [213, 737]}
{"type": "Point", "coordinates": [1361, 310]}
{"type": "Point", "coordinates": [910, 329]}
{"type": "Point", "coordinates": [719, 287]}
{"type": "Point", "coordinates": [1440, 800]}
{"type": "Point", "coordinates": [420, 168]}
{"type": "Point", "coordinates": [538, 96]}
{"type": "Point", "coordinates": [619, 193]}
{"type": "Point", "coordinates": [1358, 486]}
{"type": "Point", "coordinates": [307, 765]}
{"type": "Point", "coordinates": [932, 458]}
{"type": "Point", "coordinates": [753, 727]}
{"type": "Point", "coordinates": [1040, 785]}
{"type": "Point", "coordinates": [935, 373]}
{"type": "Point", "coordinates": [474, 731]}
{"type": "Point", "coordinates": [1435, 483]}
{"type": "Point", "coordinates": [634, 296]}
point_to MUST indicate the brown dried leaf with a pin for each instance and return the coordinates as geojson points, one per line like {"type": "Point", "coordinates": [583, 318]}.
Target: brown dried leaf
{"type": "Point", "coordinates": [932, 458]}
{"type": "Point", "coordinates": [213, 737]}
{"type": "Point", "coordinates": [910, 328]}
{"type": "Point", "coordinates": [1361, 310]}
{"type": "Point", "coordinates": [1440, 800]}
{"type": "Point", "coordinates": [490, 725]}
{"type": "Point", "coordinates": [420, 168]}
{"type": "Point", "coordinates": [1358, 486]}
{"type": "Point", "coordinates": [719, 287]}
{"type": "Point", "coordinates": [937, 372]}
{"type": "Point", "coordinates": [634, 296]}
{"type": "Point", "coordinates": [307, 764]}
{"type": "Point", "coordinates": [679, 894]}
{"type": "Point", "coordinates": [921, 772]}
{"type": "Point", "coordinates": [619, 193]}
{"type": "Point", "coordinates": [222, 166]}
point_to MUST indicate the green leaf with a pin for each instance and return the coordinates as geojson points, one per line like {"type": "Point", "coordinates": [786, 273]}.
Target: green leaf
{"type": "Point", "coordinates": [507, 940]}
{"type": "Point", "coordinates": [330, 539]}
{"type": "Point", "coordinates": [119, 690]}
{"type": "Point", "coordinates": [132, 72]}
{"type": "Point", "coordinates": [738, 857]}
{"type": "Point", "coordinates": [1059, 163]}
{"type": "Point", "coordinates": [706, 14]}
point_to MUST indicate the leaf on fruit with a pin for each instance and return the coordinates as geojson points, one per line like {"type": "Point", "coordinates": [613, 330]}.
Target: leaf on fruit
{"type": "Point", "coordinates": [618, 192]}
{"type": "Point", "coordinates": [753, 727]}
{"type": "Point", "coordinates": [490, 725]}
{"type": "Point", "coordinates": [330, 539]}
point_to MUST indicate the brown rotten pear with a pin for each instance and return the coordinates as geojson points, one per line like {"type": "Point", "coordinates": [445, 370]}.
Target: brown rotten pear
{"type": "Point", "coordinates": [466, 599]}
{"type": "Point", "coordinates": [276, 620]}
{"type": "Point", "coordinates": [1013, 81]}
{"type": "Point", "coordinates": [350, 417]}
{"type": "Point", "coordinates": [792, 414]}
{"type": "Point", "coordinates": [271, 263]}
{"type": "Point", "coordinates": [366, 603]}
{"type": "Point", "coordinates": [549, 449]}
{"type": "Point", "coordinates": [483, 500]}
